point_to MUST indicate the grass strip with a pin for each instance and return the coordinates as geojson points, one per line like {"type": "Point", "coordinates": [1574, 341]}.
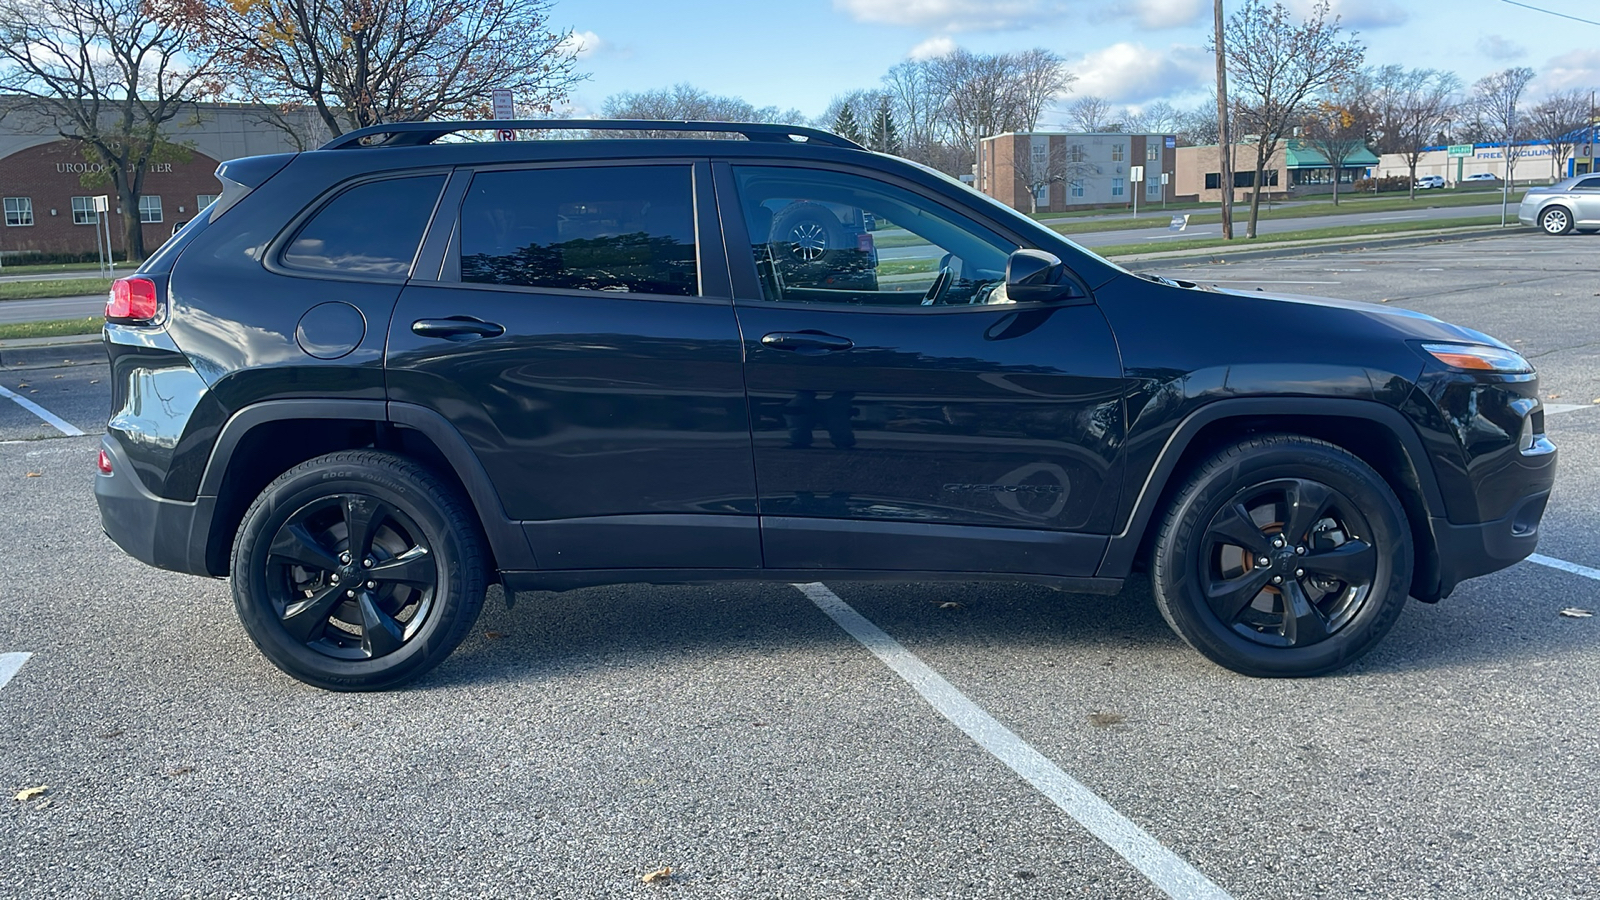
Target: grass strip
{"type": "Point", "coordinates": [59, 268]}
{"type": "Point", "coordinates": [1308, 234]}
{"type": "Point", "coordinates": [52, 328]}
{"type": "Point", "coordinates": [41, 290]}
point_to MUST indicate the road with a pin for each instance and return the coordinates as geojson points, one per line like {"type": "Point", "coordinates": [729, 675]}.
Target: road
{"type": "Point", "coordinates": [739, 736]}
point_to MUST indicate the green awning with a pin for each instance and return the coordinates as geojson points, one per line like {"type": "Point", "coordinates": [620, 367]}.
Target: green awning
{"type": "Point", "coordinates": [1299, 155]}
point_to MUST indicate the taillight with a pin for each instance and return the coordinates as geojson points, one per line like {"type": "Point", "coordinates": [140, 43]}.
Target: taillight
{"type": "Point", "coordinates": [133, 298]}
{"type": "Point", "coordinates": [104, 462]}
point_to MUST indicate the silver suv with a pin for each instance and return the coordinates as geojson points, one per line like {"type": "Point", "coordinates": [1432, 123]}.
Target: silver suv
{"type": "Point", "coordinates": [1563, 206]}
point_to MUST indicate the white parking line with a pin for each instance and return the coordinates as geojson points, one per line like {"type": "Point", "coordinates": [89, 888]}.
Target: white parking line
{"type": "Point", "coordinates": [61, 425]}
{"type": "Point", "coordinates": [1556, 409]}
{"type": "Point", "coordinates": [9, 664]}
{"type": "Point", "coordinates": [1564, 566]}
{"type": "Point", "coordinates": [1258, 281]}
{"type": "Point", "coordinates": [1175, 878]}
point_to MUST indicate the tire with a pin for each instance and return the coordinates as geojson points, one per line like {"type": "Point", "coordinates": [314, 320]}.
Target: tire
{"type": "Point", "coordinates": [1229, 533]}
{"type": "Point", "coordinates": [808, 235]}
{"type": "Point", "coordinates": [358, 621]}
{"type": "Point", "coordinates": [1555, 220]}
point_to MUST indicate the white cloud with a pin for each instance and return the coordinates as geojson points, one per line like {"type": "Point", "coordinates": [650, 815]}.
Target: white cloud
{"type": "Point", "coordinates": [1001, 15]}
{"type": "Point", "coordinates": [1133, 73]}
{"type": "Point", "coordinates": [1578, 69]}
{"type": "Point", "coordinates": [959, 15]}
{"type": "Point", "coordinates": [587, 44]}
{"type": "Point", "coordinates": [1357, 15]}
{"type": "Point", "coordinates": [1155, 13]}
{"type": "Point", "coordinates": [932, 48]}
{"type": "Point", "coordinates": [1500, 49]}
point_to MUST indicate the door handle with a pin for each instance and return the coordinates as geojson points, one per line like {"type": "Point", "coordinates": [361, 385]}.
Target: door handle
{"type": "Point", "coordinates": [456, 328]}
{"type": "Point", "coordinates": [808, 342]}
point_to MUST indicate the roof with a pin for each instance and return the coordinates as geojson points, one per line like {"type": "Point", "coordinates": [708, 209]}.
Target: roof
{"type": "Point", "coordinates": [1301, 155]}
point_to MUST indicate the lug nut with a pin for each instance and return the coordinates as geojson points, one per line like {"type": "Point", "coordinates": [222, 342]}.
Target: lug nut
{"type": "Point", "coordinates": [349, 593]}
{"type": "Point", "coordinates": [1277, 579]}
{"type": "Point", "coordinates": [1300, 550]}
{"type": "Point", "coordinates": [1277, 542]}
{"type": "Point", "coordinates": [1263, 561]}
{"type": "Point", "coordinates": [344, 557]}
{"type": "Point", "coordinates": [372, 585]}
{"type": "Point", "coordinates": [366, 563]}
{"type": "Point", "coordinates": [1299, 573]}
{"type": "Point", "coordinates": [333, 579]}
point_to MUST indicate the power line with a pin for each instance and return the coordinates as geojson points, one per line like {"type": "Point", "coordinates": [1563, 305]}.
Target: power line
{"type": "Point", "coordinates": [1551, 12]}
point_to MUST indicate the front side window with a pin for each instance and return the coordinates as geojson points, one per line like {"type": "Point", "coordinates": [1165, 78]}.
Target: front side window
{"type": "Point", "coordinates": [603, 228]}
{"type": "Point", "coordinates": [833, 237]}
{"type": "Point", "coordinates": [19, 211]}
{"type": "Point", "coordinates": [1588, 184]}
{"type": "Point", "coordinates": [371, 229]}
{"type": "Point", "coordinates": [149, 208]}
{"type": "Point", "coordinates": [83, 211]}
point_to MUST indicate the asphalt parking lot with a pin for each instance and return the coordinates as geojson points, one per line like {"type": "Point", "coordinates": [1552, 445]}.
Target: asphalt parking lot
{"type": "Point", "coordinates": [741, 736]}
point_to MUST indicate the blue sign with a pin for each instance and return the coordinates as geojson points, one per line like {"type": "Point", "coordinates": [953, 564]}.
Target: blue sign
{"type": "Point", "coordinates": [1172, 142]}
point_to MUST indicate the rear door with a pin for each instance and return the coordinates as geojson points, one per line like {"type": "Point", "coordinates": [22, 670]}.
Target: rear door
{"type": "Point", "coordinates": [1586, 200]}
{"type": "Point", "coordinates": [582, 339]}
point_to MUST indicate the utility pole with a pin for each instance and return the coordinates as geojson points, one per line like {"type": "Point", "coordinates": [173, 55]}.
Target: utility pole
{"type": "Point", "coordinates": [1224, 138]}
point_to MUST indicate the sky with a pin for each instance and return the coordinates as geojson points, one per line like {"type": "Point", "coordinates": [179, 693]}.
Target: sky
{"type": "Point", "coordinates": [802, 53]}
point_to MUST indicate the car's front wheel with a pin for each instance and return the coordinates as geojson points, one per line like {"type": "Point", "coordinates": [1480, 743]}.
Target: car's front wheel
{"type": "Point", "coordinates": [358, 570]}
{"type": "Point", "coordinates": [1283, 556]}
{"type": "Point", "coordinates": [1555, 220]}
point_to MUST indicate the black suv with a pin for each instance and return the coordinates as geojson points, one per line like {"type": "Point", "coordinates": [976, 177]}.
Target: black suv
{"type": "Point", "coordinates": [373, 378]}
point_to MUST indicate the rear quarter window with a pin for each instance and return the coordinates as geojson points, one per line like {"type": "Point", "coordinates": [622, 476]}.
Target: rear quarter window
{"type": "Point", "coordinates": [372, 229]}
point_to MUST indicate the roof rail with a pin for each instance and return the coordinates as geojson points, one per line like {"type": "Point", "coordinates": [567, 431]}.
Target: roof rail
{"type": "Point", "coordinates": [412, 134]}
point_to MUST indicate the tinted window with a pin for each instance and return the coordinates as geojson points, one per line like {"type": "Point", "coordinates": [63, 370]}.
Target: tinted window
{"type": "Point", "coordinates": [829, 237]}
{"type": "Point", "coordinates": [371, 229]}
{"type": "Point", "coordinates": [606, 228]}
{"type": "Point", "coordinates": [1588, 184]}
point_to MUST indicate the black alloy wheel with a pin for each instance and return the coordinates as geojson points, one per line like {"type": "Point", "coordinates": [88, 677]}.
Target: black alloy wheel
{"type": "Point", "coordinates": [1285, 564]}
{"type": "Point", "coordinates": [358, 570]}
{"type": "Point", "coordinates": [1283, 556]}
{"type": "Point", "coordinates": [351, 577]}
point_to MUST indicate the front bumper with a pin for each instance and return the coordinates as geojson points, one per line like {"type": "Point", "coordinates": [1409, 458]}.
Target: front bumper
{"type": "Point", "coordinates": [1467, 551]}
{"type": "Point", "coordinates": [167, 534]}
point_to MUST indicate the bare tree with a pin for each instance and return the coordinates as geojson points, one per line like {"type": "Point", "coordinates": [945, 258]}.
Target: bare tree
{"type": "Point", "coordinates": [366, 62]}
{"type": "Point", "coordinates": [1409, 108]}
{"type": "Point", "coordinates": [984, 95]}
{"type": "Point", "coordinates": [106, 75]}
{"type": "Point", "coordinates": [1042, 162]}
{"type": "Point", "coordinates": [1497, 100]}
{"type": "Point", "coordinates": [1089, 114]}
{"type": "Point", "coordinates": [685, 102]}
{"type": "Point", "coordinates": [862, 105]}
{"type": "Point", "coordinates": [1198, 127]}
{"type": "Point", "coordinates": [1336, 126]}
{"type": "Point", "coordinates": [1160, 117]}
{"type": "Point", "coordinates": [1275, 65]}
{"type": "Point", "coordinates": [1564, 120]}
{"type": "Point", "coordinates": [916, 107]}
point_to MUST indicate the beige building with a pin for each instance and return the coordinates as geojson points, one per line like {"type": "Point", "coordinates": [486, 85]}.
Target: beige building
{"type": "Point", "coordinates": [1294, 169]}
{"type": "Point", "coordinates": [1055, 171]}
{"type": "Point", "coordinates": [1536, 162]}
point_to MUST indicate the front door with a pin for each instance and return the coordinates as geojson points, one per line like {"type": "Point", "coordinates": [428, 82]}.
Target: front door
{"type": "Point", "coordinates": [906, 414]}
{"type": "Point", "coordinates": [586, 348]}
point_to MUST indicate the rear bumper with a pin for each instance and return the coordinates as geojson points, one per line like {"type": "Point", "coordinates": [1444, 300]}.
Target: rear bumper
{"type": "Point", "coordinates": [167, 534]}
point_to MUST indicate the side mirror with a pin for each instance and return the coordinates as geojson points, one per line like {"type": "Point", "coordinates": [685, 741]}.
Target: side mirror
{"type": "Point", "coordinates": [1034, 276]}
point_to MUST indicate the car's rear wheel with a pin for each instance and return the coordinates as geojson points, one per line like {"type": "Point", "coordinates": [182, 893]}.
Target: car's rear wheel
{"type": "Point", "coordinates": [1283, 556]}
{"type": "Point", "coordinates": [1555, 220]}
{"type": "Point", "coordinates": [358, 570]}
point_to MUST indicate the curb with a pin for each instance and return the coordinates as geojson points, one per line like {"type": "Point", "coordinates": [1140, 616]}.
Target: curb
{"type": "Point", "coordinates": [1213, 255]}
{"type": "Point", "coordinates": [61, 350]}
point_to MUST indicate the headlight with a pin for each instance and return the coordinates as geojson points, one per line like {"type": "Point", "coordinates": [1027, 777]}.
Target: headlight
{"type": "Point", "coordinates": [1479, 358]}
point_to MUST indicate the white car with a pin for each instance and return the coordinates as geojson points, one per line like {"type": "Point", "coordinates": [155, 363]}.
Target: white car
{"type": "Point", "coordinates": [1482, 176]}
{"type": "Point", "coordinates": [1430, 181]}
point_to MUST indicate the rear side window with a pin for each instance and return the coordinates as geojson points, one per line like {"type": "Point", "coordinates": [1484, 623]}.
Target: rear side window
{"type": "Point", "coordinates": [600, 228]}
{"type": "Point", "coordinates": [370, 229]}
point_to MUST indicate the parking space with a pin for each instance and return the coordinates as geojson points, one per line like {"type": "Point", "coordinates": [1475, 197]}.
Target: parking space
{"type": "Point", "coordinates": [741, 736]}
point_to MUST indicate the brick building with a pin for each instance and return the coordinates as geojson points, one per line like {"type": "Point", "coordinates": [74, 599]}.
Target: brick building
{"type": "Point", "coordinates": [48, 186]}
{"type": "Point", "coordinates": [1054, 171]}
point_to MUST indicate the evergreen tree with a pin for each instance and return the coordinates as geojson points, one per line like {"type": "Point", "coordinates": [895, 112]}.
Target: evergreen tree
{"type": "Point", "coordinates": [845, 125]}
{"type": "Point", "coordinates": [885, 137]}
